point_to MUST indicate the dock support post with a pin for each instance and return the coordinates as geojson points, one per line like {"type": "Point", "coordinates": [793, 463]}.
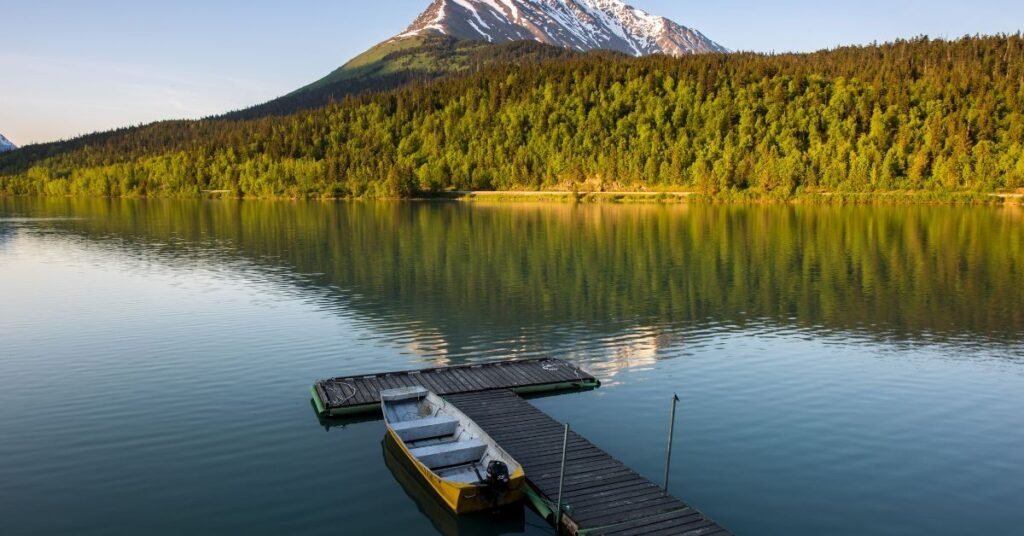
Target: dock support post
{"type": "Point", "coordinates": [671, 433]}
{"type": "Point", "coordinates": [561, 482]}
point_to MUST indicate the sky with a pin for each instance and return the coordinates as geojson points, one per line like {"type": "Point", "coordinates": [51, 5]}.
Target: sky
{"type": "Point", "coordinates": [69, 67]}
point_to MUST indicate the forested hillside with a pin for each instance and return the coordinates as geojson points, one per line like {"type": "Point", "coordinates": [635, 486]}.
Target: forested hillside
{"type": "Point", "coordinates": [396, 63]}
{"type": "Point", "coordinates": [917, 115]}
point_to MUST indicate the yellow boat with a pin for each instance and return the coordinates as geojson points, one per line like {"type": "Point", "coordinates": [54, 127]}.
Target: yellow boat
{"type": "Point", "coordinates": [464, 466]}
{"type": "Point", "coordinates": [506, 520]}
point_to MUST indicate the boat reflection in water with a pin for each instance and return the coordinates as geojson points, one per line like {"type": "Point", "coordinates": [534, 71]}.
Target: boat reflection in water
{"type": "Point", "coordinates": [506, 520]}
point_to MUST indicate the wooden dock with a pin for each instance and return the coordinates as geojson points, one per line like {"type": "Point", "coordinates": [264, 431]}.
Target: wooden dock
{"type": "Point", "coordinates": [605, 496]}
{"type": "Point", "coordinates": [361, 394]}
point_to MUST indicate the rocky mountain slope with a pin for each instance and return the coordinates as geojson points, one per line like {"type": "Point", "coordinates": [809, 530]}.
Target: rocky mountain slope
{"type": "Point", "coordinates": [6, 145]}
{"type": "Point", "coordinates": [454, 35]}
{"type": "Point", "coordinates": [575, 24]}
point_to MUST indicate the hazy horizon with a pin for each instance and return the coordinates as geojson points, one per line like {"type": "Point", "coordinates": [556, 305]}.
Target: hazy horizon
{"type": "Point", "coordinates": [72, 69]}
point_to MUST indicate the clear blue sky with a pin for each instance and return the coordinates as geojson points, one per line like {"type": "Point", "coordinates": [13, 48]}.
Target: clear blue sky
{"type": "Point", "coordinates": [69, 67]}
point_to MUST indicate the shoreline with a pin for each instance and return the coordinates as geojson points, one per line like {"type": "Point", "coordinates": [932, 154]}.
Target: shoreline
{"type": "Point", "coordinates": [668, 197]}
{"type": "Point", "coordinates": [620, 197]}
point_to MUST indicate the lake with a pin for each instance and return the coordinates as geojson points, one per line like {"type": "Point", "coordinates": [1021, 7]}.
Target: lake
{"type": "Point", "coordinates": [841, 369]}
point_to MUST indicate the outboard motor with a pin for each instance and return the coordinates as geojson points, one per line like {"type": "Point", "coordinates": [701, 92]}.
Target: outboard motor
{"type": "Point", "coordinates": [497, 476]}
{"type": "Point", "coordinates": [496, 482]}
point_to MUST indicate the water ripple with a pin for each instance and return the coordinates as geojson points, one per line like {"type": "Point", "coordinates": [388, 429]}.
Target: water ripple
{"type": "Point", "coordinates": [160, 377]}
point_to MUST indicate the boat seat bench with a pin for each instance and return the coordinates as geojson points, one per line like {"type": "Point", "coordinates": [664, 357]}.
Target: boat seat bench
{"type": "Point", "coordinates": [449, 454]}
{"type": "Point", "coordinates": [429, 428]}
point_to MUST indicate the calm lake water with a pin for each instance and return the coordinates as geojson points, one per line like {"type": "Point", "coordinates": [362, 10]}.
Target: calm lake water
{"type": "Point", "coordinates": [842, 370]}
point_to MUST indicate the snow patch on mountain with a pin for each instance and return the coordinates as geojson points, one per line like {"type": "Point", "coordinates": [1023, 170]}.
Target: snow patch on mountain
{"type": "Point", "coordinates": [6, 145]}
{"type": "Point", "coordinates": [576, 24]}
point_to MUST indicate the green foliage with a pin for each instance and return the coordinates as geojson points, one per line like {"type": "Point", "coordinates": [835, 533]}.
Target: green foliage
{"type": "Point", "coordinates": [920, 115]}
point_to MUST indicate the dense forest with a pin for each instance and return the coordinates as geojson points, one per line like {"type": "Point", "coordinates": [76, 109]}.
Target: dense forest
{"type": "Point", "coordinates": [919, 115]}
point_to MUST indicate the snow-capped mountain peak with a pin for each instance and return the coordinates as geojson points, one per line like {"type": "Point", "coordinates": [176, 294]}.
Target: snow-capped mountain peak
{"type": "Point", "coordinates": [575, 24]}
{"type": "Point", "coordinates": [6, 145]}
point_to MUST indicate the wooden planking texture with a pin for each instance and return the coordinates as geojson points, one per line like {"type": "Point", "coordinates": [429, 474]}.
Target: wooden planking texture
{"type": "Point", "coordinates": [339, 393]}
{"type": "Point", "coordinates": [606, 496]}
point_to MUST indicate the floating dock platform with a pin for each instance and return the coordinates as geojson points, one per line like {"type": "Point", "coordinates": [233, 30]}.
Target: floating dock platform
{"type": "Point", "coordinates": [353, 395]}
{"type": "Point", "coordinates": [602, 495]}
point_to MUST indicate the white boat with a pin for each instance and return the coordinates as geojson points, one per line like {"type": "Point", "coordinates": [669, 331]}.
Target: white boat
{"type": "Point", "coordinates": [467, 469]}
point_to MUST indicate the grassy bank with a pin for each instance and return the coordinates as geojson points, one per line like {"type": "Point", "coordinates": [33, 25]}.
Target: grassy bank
{"type": "Point", "coordinates": [893, 197]}
{"type": "Point", "coordinates": [621, 197]}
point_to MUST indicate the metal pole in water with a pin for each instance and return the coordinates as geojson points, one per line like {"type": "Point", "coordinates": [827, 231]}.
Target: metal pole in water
{"type": "Point", "coordinates": [561, 482]}
{"type": "Point", "coordinates": [671, 433]}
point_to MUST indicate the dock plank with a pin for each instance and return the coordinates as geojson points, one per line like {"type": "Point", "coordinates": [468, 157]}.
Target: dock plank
{"type": "Point", "coordinates": [364, 395]}
{"type": "Point", "coordinates": [629, 510]}
{"type": "Point", "coordinates": [495, 376]}
{"type": "Point", "coordinates": [389, 382]}
{"type": "Point", "coordinates": [428, 380]}
{"type": "Point", "coordinates": [470, 381]}
{"type": "Point", "coordinates": [477, 379]}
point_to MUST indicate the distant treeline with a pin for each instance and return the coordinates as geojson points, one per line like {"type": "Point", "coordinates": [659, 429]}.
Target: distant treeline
{"type": "Point", "coordinates": [919, 115]}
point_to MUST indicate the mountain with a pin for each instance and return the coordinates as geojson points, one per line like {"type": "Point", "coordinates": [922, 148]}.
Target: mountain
{"type": "Point", "coordinates": [575, 24]}
{"type": "Point", "coordinates": [397, 62]}
{"type": "Point", "coordinates": [454, 36]}
{"type": "Point", "coordinates": [6, 145]}
{"type": "Point", "coordinates": [845, 122]}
